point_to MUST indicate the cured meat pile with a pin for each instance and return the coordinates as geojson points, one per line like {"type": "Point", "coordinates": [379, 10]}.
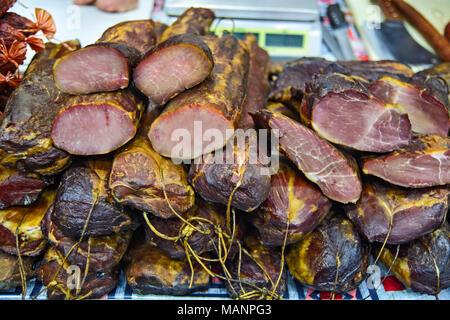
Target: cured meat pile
{"type": "Point", "coordinates": [102, 169]}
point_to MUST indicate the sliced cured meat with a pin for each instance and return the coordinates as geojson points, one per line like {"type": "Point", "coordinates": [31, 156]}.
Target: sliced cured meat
{"type": "Point", "coordinates": [235, 171]}
{"type": "Point", "coordinates": [259, 270]}
{"type": "Point", "coordinates": [98, 253]}
{"type": "Point", "coordinates": [139, 177]}
{"type": "Point", "coordinates": [63, 283]}
{"type": "Point", "coordinates": [294, 205]}
{"type": "Point", "coordinates": [28, 222]}
{"type": "Point", "coordinates": [116, 5]}
{"type": "Point", "coordinates": [97, 123]}
{"type": "Point", "coordinates": [83, 194]}
{"type": "Point", "coordinates": [105, 65]}
{"type": "Point", "coordinates": [358, 121]}
{"type": "Point", "coordinates": [324, 84]}
{"type": "Point", "coordinates": [425, 162]}
{"type": "Point", "coordinates": [372, 70]}
{"type": "Point", "coordinates": [427, 114]}
{"type": "Point", "coordinates": [291, 82]}
{"type": "Point", "coordinates": [258, 82]}
{"type": "Point", "coordinates": [18, 189]}
{"type": "Point", "coordinates": [83, 2]}
{"type": "Point", "coordinates": [210, 109]}
{"type": "Point", "coordinates": [149, 270]}
{"type": "Point", "coordinates": [335, 173]}
{"type": "Point", "coordinates": [193, 20]}
{"type": "Point", "coordinates": [397, 215]}
{"type": "Point", "coordinates": [92, 69]}
{"type": "Point", "coordinates": [172, 66]}
{"type": "Point", "coordinates": [9, 270]}
{"type": "Point", "coordinates": [331, 258]}
{"type": "Point", "coordinates": [159, 30]}
{"type": "Point", "coordinates": [25, 128]}
{"type": "Point", "coordinates": [423, 264]}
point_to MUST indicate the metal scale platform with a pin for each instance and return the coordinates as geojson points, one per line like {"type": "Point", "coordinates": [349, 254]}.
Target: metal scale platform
{"type": "Point", "coordinates": [287, 29]}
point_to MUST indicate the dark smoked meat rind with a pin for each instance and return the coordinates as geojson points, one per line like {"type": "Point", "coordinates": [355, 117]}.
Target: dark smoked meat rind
{"type": "Point", "coordinates": [9, 270]}
{"type": "Point", "coordinates": [372, 70]}
{"type": "Point", "coordinates": [84, 187]}
{"type": "Point", "coordinates": [136, 180]}
{"type": "Point", "coordinates": [101, 253]}
{"type": "Point", "coordinates": [258, 82]}
{"type": "Point", "coordinates": [18, 188]}
{"type": "Point", "coordinates": [5, 5]}
{"type": "Point", "coordinates": [414, 212]}
{"type": "Point", "coordinates": [149, 270]}
{"type": "Point", "coordinates": [95, 286]}
{"type": "Point", "coordinates": [418, 262]}
{"type": "Point", "coordinates": [193, 20]}
{"type": "Point", "coordinates": [200, 243]}
{"type": "Point", "coordinates": [216, 180]}
{"type": "Point", "coordinates": [25, 129]}
{"type": "Point", "coordinates": [28, 218]}
{"type": "Point", "coordinates": [253, 272]}
{"type": "Point", "coordinates": [294, 205]}
{"type": "Point", "coordinates": [291, 82]}
{"type": "Point", "coordinates": [138, 34]}
{"type": "Point", "coordinates": [335, 247]}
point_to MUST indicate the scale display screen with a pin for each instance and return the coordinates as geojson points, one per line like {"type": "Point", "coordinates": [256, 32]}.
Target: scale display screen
{"type": "Point", "coordinates": [276, 42]}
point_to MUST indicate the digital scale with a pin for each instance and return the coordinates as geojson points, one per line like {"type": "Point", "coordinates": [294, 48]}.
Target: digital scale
{"type": "Point", "coordinates": [287, 29]}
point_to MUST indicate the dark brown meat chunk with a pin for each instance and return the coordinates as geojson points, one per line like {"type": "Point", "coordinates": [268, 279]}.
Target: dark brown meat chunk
{"type": "Point", "coordinates": [331, 258]}
{"type": "Point", "coordinates": [27, 222]}
{"type": "Point", "coordinates": [105, 65]}
{"type": "Point", "coordinates": [19, 23]}
{"type": "Point", "coordinates": [18, 188]}
{"type": "Point", "coordinates": [397, 215]}
{"type": "Point", "coordinates": [9, 270]}
{"type": "Point", "coordinates": [258, 82]}
{"type": "Point", "coordinates": [138, 34]}
{"type": "Point", "coordinates": [291, 83]}
{"type": "Point", "coordinates": [137, 180]}
{"type": "Point", "coordinates": [83, 194]}
{"type": "Point", "coordinates": [259, 272]}
{"type": "Point", "coordinates": [173, 66]}
{"type": "Point", "coordinates": [99, 253]}
{"type": "Point", "coordinates": [5, 5]}
{"type": "Point", "coordinates": [97, 123]}
{"type": "Point", "coordinates": [25, 128]}
{"type": "Point", "coordinates": [235, 171]}
{"type": "Point", "coordinates": [69, 283]}
{"type": "Point", "coordinates": [423, 264]}
{"type": "Point", "coordinates": [425, 162]}
{"type": "Point", "coordinates": [206, 217]}
{"type": "Point", "coordinates": [149, 270]}
{"type": "Point", "coordinates": [213, 107]}
{"type": "Point", "coordinates": [294, 205]}
{"type": "Point", "coordinates": [193, 20]}
{"type": "Point", "coordinates": [372, 70]}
